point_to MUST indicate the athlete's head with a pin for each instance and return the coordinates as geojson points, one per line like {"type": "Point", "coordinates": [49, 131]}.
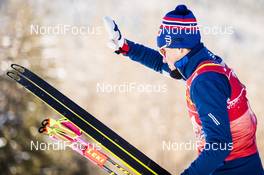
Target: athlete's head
{"type": "Point", "coordinates": [178, 34]}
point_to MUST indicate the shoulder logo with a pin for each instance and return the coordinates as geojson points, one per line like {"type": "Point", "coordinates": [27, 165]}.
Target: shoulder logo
{"type": "Point", "coordinates": [214, 119]}
{"type": "Point", "coordinates": [211, 54]}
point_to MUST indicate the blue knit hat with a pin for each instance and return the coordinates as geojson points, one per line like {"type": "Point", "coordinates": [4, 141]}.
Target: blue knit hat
{"type": "Point", "coordinates": [179, 29]}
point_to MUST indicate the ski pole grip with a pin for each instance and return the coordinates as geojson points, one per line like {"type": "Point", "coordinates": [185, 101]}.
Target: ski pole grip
{"type": "Point", "coordinates": [45, 122]}
{"type": "Point", "coordinates": [41, 129]}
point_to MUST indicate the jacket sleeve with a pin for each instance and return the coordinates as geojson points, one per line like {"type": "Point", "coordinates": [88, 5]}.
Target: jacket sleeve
{"type": "Point", "coordinates": [209, 92]}
{"type": "Point", "coordinates": [147, 56]}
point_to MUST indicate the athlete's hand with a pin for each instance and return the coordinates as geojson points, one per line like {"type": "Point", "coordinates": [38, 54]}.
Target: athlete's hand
{"type": "Point", "coordinates": [116, 41]}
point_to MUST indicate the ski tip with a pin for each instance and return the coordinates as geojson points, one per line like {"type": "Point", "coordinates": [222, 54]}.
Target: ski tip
{"type": "Point", "coordinates": [18, 68]}
{"type": "Point", "coordinates": [13, 75]}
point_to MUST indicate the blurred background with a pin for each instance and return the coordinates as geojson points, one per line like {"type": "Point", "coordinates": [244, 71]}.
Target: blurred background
{"type": "Point", "coordinates": [77, 63]}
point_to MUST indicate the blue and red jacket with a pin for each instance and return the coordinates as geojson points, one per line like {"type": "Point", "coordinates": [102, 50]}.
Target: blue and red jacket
{"type": "Point", "coordinates": [224, 124]}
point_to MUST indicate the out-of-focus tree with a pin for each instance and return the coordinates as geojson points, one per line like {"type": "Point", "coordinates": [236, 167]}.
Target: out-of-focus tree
{"type": "Point", "coordinates": [20, 112]}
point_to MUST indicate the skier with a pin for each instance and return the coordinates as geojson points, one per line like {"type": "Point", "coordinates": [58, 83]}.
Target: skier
{"type": "Point", "coordinates": [224, 123]}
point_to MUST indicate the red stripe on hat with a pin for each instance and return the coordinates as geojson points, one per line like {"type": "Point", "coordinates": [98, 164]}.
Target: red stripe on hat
{"type": "Point", "coordinates": [179, 27]}
{"type": "Point", "coordinates": [180, 19]}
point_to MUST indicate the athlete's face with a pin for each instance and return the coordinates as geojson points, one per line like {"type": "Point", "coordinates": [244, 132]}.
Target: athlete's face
{"type": "Point", "coordinates": [171, 55]}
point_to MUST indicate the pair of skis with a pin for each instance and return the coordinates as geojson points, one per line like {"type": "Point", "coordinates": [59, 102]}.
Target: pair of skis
{"type": "Point", "coordinates": [131, 157]}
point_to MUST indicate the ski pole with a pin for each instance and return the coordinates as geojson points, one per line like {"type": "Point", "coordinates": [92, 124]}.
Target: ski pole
{"type": "Point", "coordinates": [63, 129]}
